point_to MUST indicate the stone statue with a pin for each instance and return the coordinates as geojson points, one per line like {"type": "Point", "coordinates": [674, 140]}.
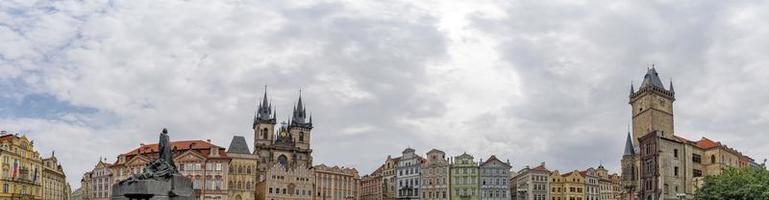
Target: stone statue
{"type": "Point", "coordinates": [159, 181]}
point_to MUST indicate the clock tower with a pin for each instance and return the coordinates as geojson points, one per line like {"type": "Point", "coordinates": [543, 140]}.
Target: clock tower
{"type": "Point", "coordinates": [652, 107]}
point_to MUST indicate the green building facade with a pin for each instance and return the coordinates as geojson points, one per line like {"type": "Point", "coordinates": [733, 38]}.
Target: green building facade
{"type": "Point", "coordinates": [464, 178]}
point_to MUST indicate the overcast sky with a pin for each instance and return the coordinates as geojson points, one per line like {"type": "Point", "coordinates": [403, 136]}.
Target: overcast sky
{"type": "Point", "coordinates": [527, 80]}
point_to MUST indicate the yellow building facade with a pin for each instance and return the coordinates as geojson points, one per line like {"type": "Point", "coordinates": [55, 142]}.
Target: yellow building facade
{"type": "Point", "coordinates": [568, 186]}
{"type": "Point", "coordinates": [21, 168]}
{"type": "Point", "coordinates": [55, 185]}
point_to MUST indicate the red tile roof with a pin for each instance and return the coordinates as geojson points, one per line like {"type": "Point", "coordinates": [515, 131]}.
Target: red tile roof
{"type": "Point", "coordinates": [176, 145]}
{"type": "Point", "coordinates": [706, 143]}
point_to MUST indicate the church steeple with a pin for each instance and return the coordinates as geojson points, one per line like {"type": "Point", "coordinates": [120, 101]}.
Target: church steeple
{"type": "Point", "coordinates": [299, 117]}
{"type": "Point", "coordinates": [264, 112]}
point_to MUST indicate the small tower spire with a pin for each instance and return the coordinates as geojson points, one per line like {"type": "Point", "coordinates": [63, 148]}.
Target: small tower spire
{"type": "Point", "coordinates": [300, 112]}
{"type": "Point", "coordinates": [629, 150]}
{"type": "Point", "coordinates": [632, 89]}
{"type": "Point", "coordinates": [671, 87]}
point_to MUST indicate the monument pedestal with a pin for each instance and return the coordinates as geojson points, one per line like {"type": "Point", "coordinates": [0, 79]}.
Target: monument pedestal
{"type": "Point", "coordinates": [177, 187]}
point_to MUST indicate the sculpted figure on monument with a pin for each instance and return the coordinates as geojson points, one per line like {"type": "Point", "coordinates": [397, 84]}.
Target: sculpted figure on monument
{"type": "Point", "coordinates": [159, 169]}
{"type": "Point", "coordinates": [159, 181]}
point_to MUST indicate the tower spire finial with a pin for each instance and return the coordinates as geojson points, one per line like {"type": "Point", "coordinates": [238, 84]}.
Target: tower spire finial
{"type": "Point", "coordinates": [671, 86]}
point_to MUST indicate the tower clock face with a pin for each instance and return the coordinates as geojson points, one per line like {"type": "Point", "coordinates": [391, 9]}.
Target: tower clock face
{"type": "Point", "coordinates": [283, 133]}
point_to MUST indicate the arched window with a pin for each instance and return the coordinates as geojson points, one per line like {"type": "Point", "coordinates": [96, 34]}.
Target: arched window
{"type": "Point", "coordinates": [283, 160]}
{"type": "Point", "coordinates": [301, 136]}
{"type": "Point", "coordinates": [264, 133]}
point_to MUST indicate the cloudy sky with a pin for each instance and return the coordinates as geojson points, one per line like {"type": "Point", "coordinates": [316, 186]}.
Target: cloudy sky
{"type": "Point", "coordinates": [527, 80]}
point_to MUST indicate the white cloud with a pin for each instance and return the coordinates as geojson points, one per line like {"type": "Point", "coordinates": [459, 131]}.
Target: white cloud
{"type": "Point", "coordinates": [527, 80]}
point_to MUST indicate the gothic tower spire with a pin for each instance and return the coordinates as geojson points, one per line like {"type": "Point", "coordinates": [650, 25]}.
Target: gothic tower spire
{"type": "Point", "coordinates": [629, 149]}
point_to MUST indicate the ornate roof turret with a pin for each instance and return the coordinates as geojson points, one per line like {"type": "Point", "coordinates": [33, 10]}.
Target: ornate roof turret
{"type": "Point", "coordinates": [264, 112]}
{"type": "Point", "coordinates": [629, 150]}
{"type": "Point", "coordinates": [299, 117]}
{"type": "Point", "coordinates": [671, 87]}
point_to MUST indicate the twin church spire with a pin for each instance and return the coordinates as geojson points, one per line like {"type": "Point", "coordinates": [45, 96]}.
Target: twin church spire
{"type": "Point", "coordinates": [266, 113]}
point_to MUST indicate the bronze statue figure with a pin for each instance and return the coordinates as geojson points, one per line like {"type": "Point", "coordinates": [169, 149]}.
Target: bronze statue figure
{"type": "Point", "coordinates": [161, 168]}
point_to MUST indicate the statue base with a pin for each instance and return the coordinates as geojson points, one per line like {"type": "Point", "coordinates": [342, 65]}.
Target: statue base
{"type": "Point", "coordinates": [176, 187]}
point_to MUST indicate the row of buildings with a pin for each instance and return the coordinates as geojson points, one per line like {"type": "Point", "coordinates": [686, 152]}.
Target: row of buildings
{"type": "Point", "coordinates": [279, 168]}
{"type": "Point", "coordinates": [435, 176]}
{"type": "Point", "coordinates": [656, 164]}
{"type": "Point", "coordinates": [26, 175]}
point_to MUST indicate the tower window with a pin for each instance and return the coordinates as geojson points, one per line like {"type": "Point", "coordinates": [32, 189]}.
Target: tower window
{"type": "Point", "coordinates": [264, 133]}
{"type": "Point", "coordinates": [675, 153]}
{"type": "Point", "coordinates": [675, 171]}
{"type": "Point", "coordinates": [301, 136]}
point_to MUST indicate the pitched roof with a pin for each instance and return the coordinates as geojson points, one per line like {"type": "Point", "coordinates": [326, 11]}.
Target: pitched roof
{"type": "Point", "coordinates": [435, 151]}
{"type": "Point", "coordinates": [176, 145]}
{"type": "Point", "coordinates": [492, 159]}
{"type": "Point", "coordinates": [238, 145]}
{"type": "Point", "coordinates": [706, 143]}
{"type": "Point", "coordinates": [652, 79]}
{"type": "Point", "coordinates": [541, 167]}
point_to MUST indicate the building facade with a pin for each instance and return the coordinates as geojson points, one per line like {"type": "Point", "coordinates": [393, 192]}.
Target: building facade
{"type": "Point", "coordinates": [531, 184]}
{"type": "Point", "coordinates": [55, 185]}
{"type": "Point", "coordinates": [241, 176]}
{"type": "Point", "coordinates": [389, 182]}
{"type": "Point", "coordinates": [336, 183]}
{"type": "Point", "coordinates": [101, 179]}
{"type": "Point", "coordinates": [204, 163]}
{"type": "Point", "coordinates": [657, 163]}
{"type": "Point", "coordinates": [568, 186]}
{"type": "Point", "coordinates": [494, 179]}
{"type": "Point", "coordinates": [284, 157]}
{"type": "Point", "coordinates": [464, 178]}
{"type": "Point", "coordinates": [22, 168]}
{"type": "Point", "coordinates": [592, 184]}
{"type": "Point", "coordinates": [371, 185]}
{"type": "Point", "coordinates": [408, 175]}
{"type": "Point", "coordinates": [609, 187]}
{"type": "Point", "coordinates": [435, 176]}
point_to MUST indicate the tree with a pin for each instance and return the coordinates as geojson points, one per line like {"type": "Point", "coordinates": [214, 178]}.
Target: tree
{"type": "Point", "coordinates": [747, 183]}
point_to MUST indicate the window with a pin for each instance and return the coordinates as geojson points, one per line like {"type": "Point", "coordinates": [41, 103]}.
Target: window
{"type": "Point", "coordinates": [712, 159]}
{"type": "Point", "coordinates": [696, 173]}
{"type": "Point", "coordinates": [264, 133]}
{"type": "Point", "coordinates": [675, 171]}
{"type": "Point", "coordinates": [696, 158]}
{"type": "Point", "coordinates": [675, 153]}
